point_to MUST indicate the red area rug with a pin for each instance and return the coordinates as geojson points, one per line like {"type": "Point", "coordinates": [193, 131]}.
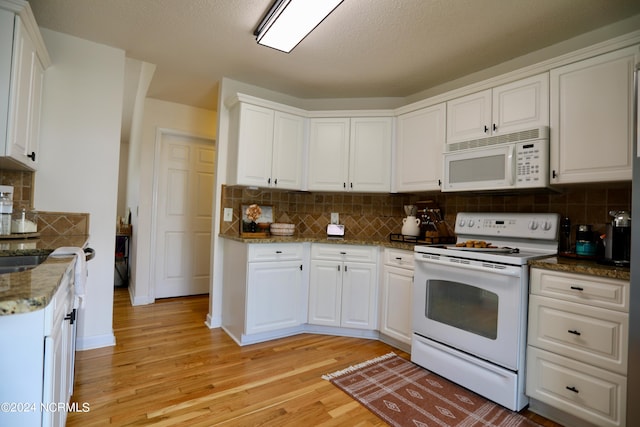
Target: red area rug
{"type": "Point", "coordinates": [404, 394]}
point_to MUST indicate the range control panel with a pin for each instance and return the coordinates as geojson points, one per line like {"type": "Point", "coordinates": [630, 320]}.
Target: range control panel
{"type": "Point", "coordinates": [542, 226]}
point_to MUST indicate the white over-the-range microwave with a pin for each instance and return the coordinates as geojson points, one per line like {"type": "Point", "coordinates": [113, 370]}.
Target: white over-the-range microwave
{"type": "Point", "coordinates": [503, 162]}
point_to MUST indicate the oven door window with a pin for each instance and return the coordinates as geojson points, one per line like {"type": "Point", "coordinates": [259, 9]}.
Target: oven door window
{"type": "Point", "coordinates": [463, 306]}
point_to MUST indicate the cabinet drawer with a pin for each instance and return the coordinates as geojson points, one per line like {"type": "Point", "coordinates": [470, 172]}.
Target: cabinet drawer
{"type": "Point", "coordinates": [275, 252]}
{"type": "Point", "coordinates": [584, 391]}
{"type": "Point", "coordinates": [399, 258]}
{"type": "Point", "coordinates": [581, 288]}
{"type": "Point", "coordinates": [589, 334]}
{"type": "Point", "coordinates": [339, 252]}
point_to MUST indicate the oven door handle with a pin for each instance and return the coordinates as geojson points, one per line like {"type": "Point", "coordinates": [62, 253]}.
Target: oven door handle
{"type": "Point", "coordinates": [485, 267]}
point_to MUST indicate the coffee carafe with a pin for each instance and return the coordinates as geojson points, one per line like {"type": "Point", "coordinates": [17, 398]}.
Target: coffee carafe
{"type": "Point", "coordinates": [617, 245]}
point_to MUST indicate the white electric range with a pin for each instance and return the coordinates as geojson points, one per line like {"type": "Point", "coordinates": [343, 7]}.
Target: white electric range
{"type": "Point", "coordinates": [470, 304]}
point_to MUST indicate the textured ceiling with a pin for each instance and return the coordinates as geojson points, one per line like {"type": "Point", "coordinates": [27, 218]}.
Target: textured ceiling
{"type": "Point", "coordinates": [366, 48]}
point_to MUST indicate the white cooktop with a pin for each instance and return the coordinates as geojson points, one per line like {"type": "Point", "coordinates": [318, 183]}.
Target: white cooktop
{"type": "Point", "coordinates": [518, 237]}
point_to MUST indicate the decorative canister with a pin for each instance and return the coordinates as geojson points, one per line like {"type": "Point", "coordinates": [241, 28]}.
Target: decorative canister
{"type": "Point", "coordinates": [585, 244]}
{"type": "Point", "coordinates": [6, 209]}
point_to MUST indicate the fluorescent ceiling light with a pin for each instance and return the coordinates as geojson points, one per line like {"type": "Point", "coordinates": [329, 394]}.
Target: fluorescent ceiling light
{"type": "Point", "coordinates": [289, 21]}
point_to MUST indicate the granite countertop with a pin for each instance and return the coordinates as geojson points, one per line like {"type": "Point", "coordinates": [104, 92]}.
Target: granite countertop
{"type": "Point", "coordinates": [582, 266]}
{"type": "Point", "coordinates": [569, 265]}
{"type": "Point", "coordinates": [323, 239]}
{"type": "Point", "coordinates": [33, 289]}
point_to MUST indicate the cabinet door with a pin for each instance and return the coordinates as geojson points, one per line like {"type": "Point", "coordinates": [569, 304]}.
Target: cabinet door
{"type": "Point", "coordinates": [7, 19]}
{"type": "Point", "coordinates": [370, 154]}
{"type": "Point", "coordinates": [36, 108]}
{"type": "Point", "coordinates": [274, 296]}
{"type": "Point", "coordinates": [57, 352]}
{"type": "Point", "coordinates": [329, 154]}
{"type": "Point", "coordinates": [22, 103]}
{"type": "Point", "coordinates": [420, 143]}
{"type": "Point", "coordinates": [397, 288]}
{"type": "Point", "coordinates": [325, 292]}
{"type": "Point", "coordinates": [591, 119]}
{"type": "Point", "coordinates": [469, 117]}
{"type": "Point", "coordinates": [288, 149]}
{"type": "Point", "coordinates": [255, 139]}
{"type": "Point", "coordinates": [521, 105]}
{"type": "Point", "coordinates": [359, 295]}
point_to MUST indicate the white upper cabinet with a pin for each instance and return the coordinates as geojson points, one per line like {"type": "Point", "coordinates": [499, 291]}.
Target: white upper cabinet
{"type": "Point", "coordinates": [22, 64]}
{"type": "Point", "coordinates": [328, 154]}
{"type": "Point", "coordinates": [419, 145]}
{"type": "Point", "coordinates": [288, 151]}
{"type": "Point", "coordinates": [592, 119]}
{"type": "Point", "coordinates": [512, 107]}
{"type": "Point", "coordinates": [350, 154]}
{"type": "Point", "coordinates": [266, 147]}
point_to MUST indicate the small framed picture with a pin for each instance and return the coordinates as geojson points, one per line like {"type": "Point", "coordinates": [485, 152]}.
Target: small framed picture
{"type": "Point", "coordinates": [255, 218]}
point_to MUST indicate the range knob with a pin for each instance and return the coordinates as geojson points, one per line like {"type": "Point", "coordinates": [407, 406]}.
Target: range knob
{"type": "Point", "coordinates": [533, 225]}
{"type": "Point", "coordinates": [546, 225]}
{"type": "Point", "coordinates": [471, 223]}
{"type": "Point", "coordinates": [461, 222]}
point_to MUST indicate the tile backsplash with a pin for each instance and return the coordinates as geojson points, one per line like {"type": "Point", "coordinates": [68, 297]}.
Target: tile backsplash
{"type": "Point", "coordinates": [364, 215]}
{"type": "Point", "coordinates": [22, 182]}
{"type": "Point", "coordinates": [375, 216]}
{"type": "Point", "coordinates": [49, 223]}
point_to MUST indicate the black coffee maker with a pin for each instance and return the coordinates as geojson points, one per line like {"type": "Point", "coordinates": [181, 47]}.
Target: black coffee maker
{"type": "Point", "coordinates": [617, 244]}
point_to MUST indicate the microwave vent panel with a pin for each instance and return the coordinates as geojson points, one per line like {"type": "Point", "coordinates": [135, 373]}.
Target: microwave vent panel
{"type": "Point", "coordinates": [522, 136]}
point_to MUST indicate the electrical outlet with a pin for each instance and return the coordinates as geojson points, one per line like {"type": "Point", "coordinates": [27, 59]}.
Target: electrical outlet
{"type": "Point", "coordinates": [228, 214]}
{"type": "Point", "coordinates": [335, 218]}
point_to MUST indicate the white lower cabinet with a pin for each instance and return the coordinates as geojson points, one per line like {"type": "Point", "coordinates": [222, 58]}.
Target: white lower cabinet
{"type": "Point", "coordinates": [38, 361]}
{"type": "Point", "coordinates": [342, 286]}
{"type": "Point", "coordinates": [577, 347]}
{"type": "Point", "coordinates": [274, 296]}
{"type": "Point", "coordinates": [265, 290]}
{"type": "Point", "coordinates": [396, 294]}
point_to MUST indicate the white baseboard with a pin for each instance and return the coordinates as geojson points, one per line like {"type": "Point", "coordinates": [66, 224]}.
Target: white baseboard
{"type": "Point", "coordinates": [213, 322]}
{"type": "Point", "coordinates": [140, 300]}
{"type": "Point", "coordinates": [97, 341]}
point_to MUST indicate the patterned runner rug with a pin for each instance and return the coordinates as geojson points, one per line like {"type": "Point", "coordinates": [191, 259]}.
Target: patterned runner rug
{"type": "Point", "coordinates": [404, 394]}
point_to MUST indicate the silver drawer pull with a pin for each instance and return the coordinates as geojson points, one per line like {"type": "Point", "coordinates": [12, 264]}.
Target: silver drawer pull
{"type": "Point", "coordinates": [574, 332]}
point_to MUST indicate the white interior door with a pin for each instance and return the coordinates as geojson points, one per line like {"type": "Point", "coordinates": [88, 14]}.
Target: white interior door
{"type": "Point", "coordinates": [183, 215]}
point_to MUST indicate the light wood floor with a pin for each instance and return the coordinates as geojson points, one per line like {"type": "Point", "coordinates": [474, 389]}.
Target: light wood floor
{"type": "Point", "coordinates": [169, 369]}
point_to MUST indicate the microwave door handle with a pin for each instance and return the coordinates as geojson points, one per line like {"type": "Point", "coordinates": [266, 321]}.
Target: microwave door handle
{"type": "Point", "coordinates": [511, 167]}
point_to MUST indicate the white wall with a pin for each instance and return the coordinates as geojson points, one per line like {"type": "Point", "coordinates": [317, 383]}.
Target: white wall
{"type": "Point", "coordinates": [78, 166]}
{"type": "Point", "coordinates": [166, 115]}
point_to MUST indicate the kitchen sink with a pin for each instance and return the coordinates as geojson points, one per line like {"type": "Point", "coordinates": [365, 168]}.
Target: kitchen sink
{"type": "Point", "coordinates": [12, 264]}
